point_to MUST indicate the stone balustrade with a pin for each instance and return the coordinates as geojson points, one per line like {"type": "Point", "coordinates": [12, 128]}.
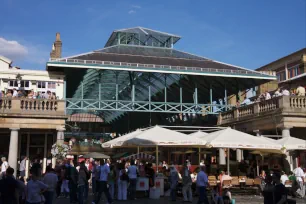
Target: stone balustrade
{"type": "Point", "coordinates": [289, 105]}
{"type": "Point", "coordinates": [24, 107]}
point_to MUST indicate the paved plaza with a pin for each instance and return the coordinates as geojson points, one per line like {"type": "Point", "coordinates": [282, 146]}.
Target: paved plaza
{"type": "Point", "coordinates": [246, 199]}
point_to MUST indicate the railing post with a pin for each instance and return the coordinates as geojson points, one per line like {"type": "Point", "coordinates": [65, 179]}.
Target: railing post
{"type": "Point", "coordinates": [181, 98]}
{"type": "Point", "coordinates": [16, 108]}
{"type": "Point", "coordinates": [220, 119]}
{"type": "Point", "coordinates": [82, 93]}
{"type": "Point", "coordinates": [236, 113]}
{"type": "Point", "coordinates": [256, 108]}
{"type": "Point", "coordinates": [150, 98]}
{"type": "Point", "coordinates": [284, 102]}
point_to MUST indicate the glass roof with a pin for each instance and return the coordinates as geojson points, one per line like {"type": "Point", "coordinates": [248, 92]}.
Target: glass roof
{"type": "Point", "coordinates": [149, 51]}
{"type": "Point", "coordinates": [142, 36]}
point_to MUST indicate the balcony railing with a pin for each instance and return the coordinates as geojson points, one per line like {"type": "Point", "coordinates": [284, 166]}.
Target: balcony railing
{"type": "Point", "coordinates": [32, 107]}
{"type": "Point", "coordinates": [285, 104]}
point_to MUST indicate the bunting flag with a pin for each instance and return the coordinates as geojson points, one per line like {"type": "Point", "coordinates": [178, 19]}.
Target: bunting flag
{"type": "Point", "coordinates": [140, 156]}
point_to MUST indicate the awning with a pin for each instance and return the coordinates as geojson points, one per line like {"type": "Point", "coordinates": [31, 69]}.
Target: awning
{"type": "Point", "coordinates": [158, 136]}
{"type": "Point", "coordinates": [117, 142]}
{"type": "Point", "coordinates": [292, 143]}
{"type": "Point", "coordinates": [198, 134]}
{"type": "Point", "coordinates": [230, 138]}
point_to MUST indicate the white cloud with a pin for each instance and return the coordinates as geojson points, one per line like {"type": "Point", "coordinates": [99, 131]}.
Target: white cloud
{"type": "Point", "coordinates": [131, 11]}
{"type": "Point", "coordinates": [136, 6]}
{"type": "Point", "coordinates": [21, 52]}
{"type": "Point", "coordinates": [12, 49]}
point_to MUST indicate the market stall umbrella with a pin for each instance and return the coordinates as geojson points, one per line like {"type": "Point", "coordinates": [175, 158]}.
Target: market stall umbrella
{"type": "Point", "coordinates": [96, 155]}
{"type": "Point", "coordinates": [117, 142]}
{"type": "Point", "coordinates": [230, 138]}
{"type": "Point", "coordinates": [292, 143]}
{"type": "Point", "coordinates": [158, 136]}
{"type": "Point", "coordinates": [199, 134]}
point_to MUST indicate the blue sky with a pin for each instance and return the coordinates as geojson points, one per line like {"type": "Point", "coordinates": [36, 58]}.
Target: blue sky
{"type": "Point", "coordinates": [247, 33]}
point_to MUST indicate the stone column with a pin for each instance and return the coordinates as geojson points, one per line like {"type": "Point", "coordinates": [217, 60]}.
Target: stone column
{"type": "Point", "coordinates": [13, 151]}
{"type": "Point", "coordinates": [239, 155]}
{"type": "Point", "coordinates": [222, 157]}
{"type": "Point", "coordinates": [45, 154]}
{"type": "Point", "coordinates": [60, 136]}
{"type": "Point", "coordinates": [286, 131]}
{"type": "Point", "coordinates": [59, 140]}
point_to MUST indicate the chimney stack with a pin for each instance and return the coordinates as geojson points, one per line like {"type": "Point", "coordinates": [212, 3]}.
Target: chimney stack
{"type": "Point", "coordinates": [56, 47]}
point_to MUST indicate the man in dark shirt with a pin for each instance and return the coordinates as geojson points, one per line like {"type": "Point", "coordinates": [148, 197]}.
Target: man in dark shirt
{"type": "Point", "coordinates": [8, 187]}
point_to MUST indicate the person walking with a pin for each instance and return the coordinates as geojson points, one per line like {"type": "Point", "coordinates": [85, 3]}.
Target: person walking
{"type": "Point", "coordinates": [93, 175]}
{"type": "Point", "coordinates": [84, 176]}
{"type": "Point", "coordinates": [50, 179]}
{"type": "Point", "coordinates": [132, 173]}
{"type": "Point", "coordinates": [202, 182]}
{"type": "Point", "coordinates": [300, 176]}
{"type": "Point", "coordinates": [23, 167]}
{"type": "Point", "coordinates": [96, 177]}
{"type": "Point", "coordinates": [35, 189]}
{"type": "Point", "coordinates": [187, 182]}
{"type": "Point", "coordinates": [4, 166]}
{"type": "Point", "coordinates": [104, 171]}
{"type": "Point", "coordinates": [8, 187]}
{"type": "Point", "coordinates": [173, 179]}
{"type": "Point", "coordinates": [111, 181]}
{"type": "Point", "coordinates": [71, 174]}
{"type": "Point", "coordinates": [122, 182]}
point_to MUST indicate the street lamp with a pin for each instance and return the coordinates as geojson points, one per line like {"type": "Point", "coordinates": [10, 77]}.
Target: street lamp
{"type": "Point", "coordinates": [74, 128]}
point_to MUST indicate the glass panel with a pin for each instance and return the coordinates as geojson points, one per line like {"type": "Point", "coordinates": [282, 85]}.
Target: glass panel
{"type": "Point", "coordinates": [24, 84]}
{"type": "Point", "coordinates": [41, 84]}
{"type": "Point", "coordinates": [51, 85]}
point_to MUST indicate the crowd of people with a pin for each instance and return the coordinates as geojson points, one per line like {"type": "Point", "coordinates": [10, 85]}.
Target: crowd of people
{"type": "Point", "coordinates": [117, 181]}
{"type": "Point", "coordinates": [28, 94]}
{"type": "Point", "coordinates": [299, 91]}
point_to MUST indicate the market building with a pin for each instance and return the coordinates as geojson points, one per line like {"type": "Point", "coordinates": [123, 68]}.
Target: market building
{"type": "Point", "coordinates": [137, 80]}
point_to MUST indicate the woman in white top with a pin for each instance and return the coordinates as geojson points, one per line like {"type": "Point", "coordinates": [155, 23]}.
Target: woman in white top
{"type": "Point", "coordinates": [34, 191]}
{"type": "Point", "coordinates": [4, 166]}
